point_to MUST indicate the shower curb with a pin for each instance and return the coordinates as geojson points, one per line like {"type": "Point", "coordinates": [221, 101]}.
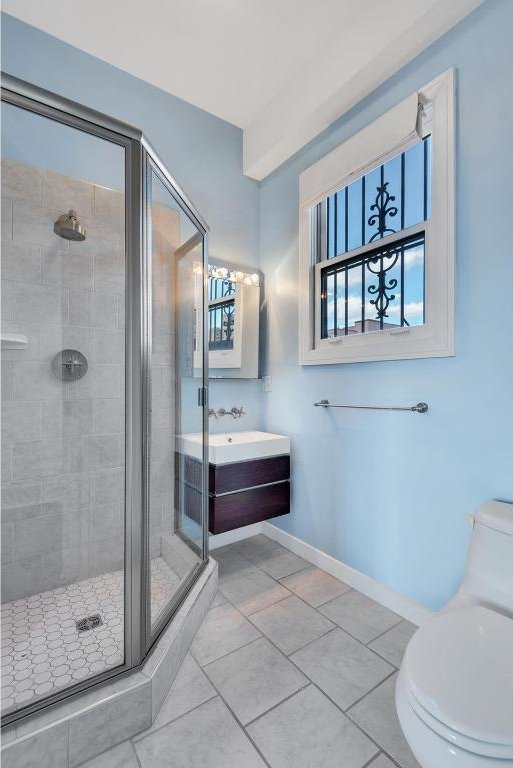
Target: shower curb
{"type": "Point", "coordinates": [70, 733]}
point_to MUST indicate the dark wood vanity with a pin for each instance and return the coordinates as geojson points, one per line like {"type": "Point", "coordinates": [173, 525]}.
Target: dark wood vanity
{"type": "Point", "coordinates": [240, 492]}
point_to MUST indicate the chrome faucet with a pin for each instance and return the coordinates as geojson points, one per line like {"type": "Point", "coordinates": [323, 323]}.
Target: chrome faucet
{"type": "Point", "coordinates": [235, 412]}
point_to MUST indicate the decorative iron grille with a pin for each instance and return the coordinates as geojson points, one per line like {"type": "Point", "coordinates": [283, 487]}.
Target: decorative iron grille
{"type": "Point", "coordinates": [380, 287]}
{"type": "Point", "coordinates": [369, 292]}
{"type": "Point", "coordinates": [219, 288]}
{"type": "Point", "coordinates": [221, 325]}
{"type": "Point", "coordinates": [221, 313]}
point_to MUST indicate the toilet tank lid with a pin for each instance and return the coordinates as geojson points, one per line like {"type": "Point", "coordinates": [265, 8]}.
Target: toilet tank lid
{"type": "Point", "coordinates": [497, 515]}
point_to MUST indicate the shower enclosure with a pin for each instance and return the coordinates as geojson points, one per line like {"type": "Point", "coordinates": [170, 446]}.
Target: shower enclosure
{"type": "Point", "coordinates": [103, 260]}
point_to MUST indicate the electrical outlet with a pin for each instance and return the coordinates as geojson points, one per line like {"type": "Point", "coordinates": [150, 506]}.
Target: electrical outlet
{"type": "Point", "coordinates": [267, 383]}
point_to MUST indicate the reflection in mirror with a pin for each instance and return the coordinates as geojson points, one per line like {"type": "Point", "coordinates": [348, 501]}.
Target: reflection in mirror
{"type": "Point", "coordinates": [233, 323]}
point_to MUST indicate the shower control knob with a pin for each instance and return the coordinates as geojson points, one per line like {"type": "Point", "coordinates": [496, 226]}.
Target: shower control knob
{"type": "Point", "coordinates": [69, 365]}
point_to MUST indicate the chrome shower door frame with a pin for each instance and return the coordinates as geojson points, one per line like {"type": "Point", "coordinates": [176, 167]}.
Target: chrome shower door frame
{"type": "Point", "coordinates": [137, 635]}
{"type": "Point", "coordinates": [152, 164]}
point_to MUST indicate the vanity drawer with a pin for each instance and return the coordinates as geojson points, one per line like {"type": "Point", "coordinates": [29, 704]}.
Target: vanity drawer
{"type": "Point", "coordinates": [235, 510]}
{"type": "Point", "coordinates": [225, 478]}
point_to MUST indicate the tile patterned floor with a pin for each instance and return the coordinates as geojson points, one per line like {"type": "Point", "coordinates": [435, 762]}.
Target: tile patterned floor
{"type": "Point", "coordinates": [42, 651]}
{"type": "Point", "coordinates": [283, 673]}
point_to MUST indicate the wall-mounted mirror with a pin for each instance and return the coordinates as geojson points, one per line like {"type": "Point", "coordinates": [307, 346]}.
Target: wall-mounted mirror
{"type": "Point", "coordinates": [233, 322]}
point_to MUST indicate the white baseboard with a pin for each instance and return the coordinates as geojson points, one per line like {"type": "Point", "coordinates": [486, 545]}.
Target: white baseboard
{"type": "Point", "coordinates": [403, 606]}
{"type": "Point", "coordinates": [221, 539]}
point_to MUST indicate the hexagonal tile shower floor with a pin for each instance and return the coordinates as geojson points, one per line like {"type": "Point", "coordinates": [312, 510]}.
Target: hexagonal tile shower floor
{"type": "Point", "coordinates": [43, 651]}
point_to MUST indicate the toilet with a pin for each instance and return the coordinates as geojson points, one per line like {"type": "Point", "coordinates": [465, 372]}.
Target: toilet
{"type": "Point", "coordinates": [454, 692]}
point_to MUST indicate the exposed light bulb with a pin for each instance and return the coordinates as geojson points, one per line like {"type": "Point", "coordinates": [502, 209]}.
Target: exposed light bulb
{"type": "Point", "coordinates": [235, 276]}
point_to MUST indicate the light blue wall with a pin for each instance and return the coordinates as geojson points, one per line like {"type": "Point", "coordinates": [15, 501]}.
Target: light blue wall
{"type": "Point", "coordinates": [203, 153]}
{"type": "Point", "coordinates": [389, 493]}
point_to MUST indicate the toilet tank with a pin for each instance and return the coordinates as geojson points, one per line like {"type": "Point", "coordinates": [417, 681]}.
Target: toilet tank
{"type": "Point", "coordinates": [489, 569]}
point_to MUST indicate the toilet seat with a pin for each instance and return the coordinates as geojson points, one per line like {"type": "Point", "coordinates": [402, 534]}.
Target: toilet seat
{"type": "Point", "coordinates": [458, 670]}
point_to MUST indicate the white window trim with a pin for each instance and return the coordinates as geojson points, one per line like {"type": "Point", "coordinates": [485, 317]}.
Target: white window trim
{"type": "Point", "coordinates": [396, 131]}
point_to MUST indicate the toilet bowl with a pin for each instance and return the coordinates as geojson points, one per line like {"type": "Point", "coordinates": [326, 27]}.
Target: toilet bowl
{"type": "Point", "coordinates": [454, 693]}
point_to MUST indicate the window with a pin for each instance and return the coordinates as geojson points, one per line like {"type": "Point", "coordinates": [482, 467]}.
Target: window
{"type": "Point", "coordinates": [224, 319]}
{"type": "Point", "coordinates": [376, 238]}
{"type": "Point", "coordinates": [221, 312]}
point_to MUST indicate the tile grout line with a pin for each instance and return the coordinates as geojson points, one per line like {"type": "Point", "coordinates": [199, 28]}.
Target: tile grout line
{"type": "Point", "coordinates": [279, 703]}
{"type": "Point", "coordinates": [249, 618]}
{"type": "Point", "coordinates": [323, 693]}
{"type": "Point", "coordinates": [345, 713]}
{"type": "Point", "coordinates": [357, 725]}
{"type": "Point", "coordinates": [214, 661]}
{"type": "Point", "coordinates": [315, 608]}
{"type": "Point", "coordinates": [142, 735]}
{"type": "Point", "coordinates": [224, 655]}
{"type": "Point", "coordinates": [384, 633]}
{"type": "Point", "coordinates": [218, 695]}
{"type": "Point", "coordinates": [395, 764]}
{"type": "Point", "coordinates": [368, 764]}
{"type": "Point", "coordinates": [312, 682]}
{"type": "Point", "coordinates": [247, 615]}
{"type": "Point", "coordinates": [360, 728]}
{"type": "Point", "coordinates": [275, 578]}
{"type": "Point", "coordinates": [135, 753]}
{"type": "Point", "coordinates": [324, 602]}
{"type": "Point", "coordinates": [237, 721]}
{"type": "Point", "coordinates": [355, 703]}
{"type": "Point", "coordinates": [336, 626]}
{"type": "Point", "coordinates": [263, 635]}
{"type": "Point", "coordinates": [383, 657]}
{"type": "Point", "coordinates": [353, 637]}
{"type": "Point", "coordinates": [257, 610]}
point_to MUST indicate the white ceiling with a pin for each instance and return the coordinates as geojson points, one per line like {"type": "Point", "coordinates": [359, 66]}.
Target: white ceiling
{"type": "Point", "coordinates": [229, 57]}
{"type": "Point", "coordinates": [239, 59]}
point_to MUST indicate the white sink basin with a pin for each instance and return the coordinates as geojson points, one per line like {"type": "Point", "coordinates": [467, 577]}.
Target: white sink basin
{"type": "Point", "coordinates": [227, 447]}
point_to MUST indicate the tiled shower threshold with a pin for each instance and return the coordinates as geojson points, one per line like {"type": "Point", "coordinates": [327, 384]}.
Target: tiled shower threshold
{"type": "Point", "coordinates": [43, 651]}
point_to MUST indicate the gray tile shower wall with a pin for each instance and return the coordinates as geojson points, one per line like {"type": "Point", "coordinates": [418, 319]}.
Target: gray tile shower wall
{"type": "Point", "coordinates": [63, 443]}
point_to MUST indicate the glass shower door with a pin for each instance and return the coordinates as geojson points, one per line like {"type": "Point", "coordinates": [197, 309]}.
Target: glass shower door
{"type": "Point", "coordinates": [63, 410]}
{"type": "Point", "coordinates": [176, 418]}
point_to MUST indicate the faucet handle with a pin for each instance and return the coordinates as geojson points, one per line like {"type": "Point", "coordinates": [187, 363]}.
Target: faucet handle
{"type": "Point", "coordinates": [237, 412]}
{"type": "Point", "coordinates": [213, 413]}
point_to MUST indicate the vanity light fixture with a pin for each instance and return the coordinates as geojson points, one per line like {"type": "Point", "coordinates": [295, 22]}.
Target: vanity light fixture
{"type": "Point", "coordinates": [235, 276]}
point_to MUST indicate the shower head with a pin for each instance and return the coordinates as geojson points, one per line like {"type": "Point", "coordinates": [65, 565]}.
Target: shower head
{"type": "Point", "coordinates": [68, 227]}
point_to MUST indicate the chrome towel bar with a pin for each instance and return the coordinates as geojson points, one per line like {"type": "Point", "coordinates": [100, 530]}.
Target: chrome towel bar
{"type": "Point", "coordinates": [419, 408]}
